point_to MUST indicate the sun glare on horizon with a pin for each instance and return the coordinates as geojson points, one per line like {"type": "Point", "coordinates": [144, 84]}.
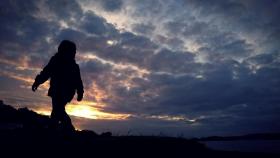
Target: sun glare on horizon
{"type": "Point", "coordinates": [86, 109]}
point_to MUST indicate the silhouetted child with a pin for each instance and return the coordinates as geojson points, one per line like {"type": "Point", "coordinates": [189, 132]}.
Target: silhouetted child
{"type": "Point", "coordinates": [65, 80]}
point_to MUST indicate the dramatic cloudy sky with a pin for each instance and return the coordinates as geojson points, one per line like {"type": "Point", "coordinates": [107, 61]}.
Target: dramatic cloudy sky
{"type": "Point", "coordinates": [162, 67]}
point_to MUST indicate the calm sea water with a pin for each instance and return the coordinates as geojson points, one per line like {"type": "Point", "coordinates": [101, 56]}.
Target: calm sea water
{"type": "Point", "coordinates": [267, 146]}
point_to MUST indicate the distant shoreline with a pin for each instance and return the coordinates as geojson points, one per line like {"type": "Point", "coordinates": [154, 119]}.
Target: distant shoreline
{"type": "Point", "coordinates": [255, 136]}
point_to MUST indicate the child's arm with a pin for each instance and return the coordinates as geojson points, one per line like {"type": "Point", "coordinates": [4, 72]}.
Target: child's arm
{"type": "Point", "coordinates": [43, 76]}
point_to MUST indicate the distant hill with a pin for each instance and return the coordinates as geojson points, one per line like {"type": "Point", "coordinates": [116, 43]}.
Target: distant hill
{"type": "Point", "coordinates": [255, 136]}
{"type": "Point", "coordinates": [11, 118]}
{"type": "Point", "coordinates": [24, 133]}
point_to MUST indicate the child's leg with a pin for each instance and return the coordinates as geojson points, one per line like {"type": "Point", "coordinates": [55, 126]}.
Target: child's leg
{"type": "Point", "coordinates": [59, 115]}
{"type": "Point", "coordinates": [57, 110]}
{"type": "Point", "coordinates": [66, 123]}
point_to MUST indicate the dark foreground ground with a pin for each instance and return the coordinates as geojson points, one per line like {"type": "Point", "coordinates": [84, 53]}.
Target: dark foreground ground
{"type": "Point", "coordinates": [49, 143]}
{"type": "Point", "coordinates": [24, 133]}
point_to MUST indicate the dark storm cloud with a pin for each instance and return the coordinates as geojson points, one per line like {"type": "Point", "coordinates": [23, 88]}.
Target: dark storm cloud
{"type": "Point", "coordinates": [70, 34]}
{"type": "Point", "coordinates": [250, 17]}
{"type": "Point", "coordinates": [163, 61]}
{"type": "Point", "coordinates": [96, 25]}
{"type": "Point", "coordinates": [147, 8]}
{"type": "Point", "coordinates": [20, 30]}
{"type": "Point", "coordinates": [65, 9]}
{"type": "Point", "coordinates": [223, 92]}
{"type": "Point", "coordinates": [143, 28]}
{"type": "Point", "coordinates": [265, 59]}
{"type": "Point", "coordinates": [128, 47]}
{"type": "Point", "coordinates": [111, 5]}
{"type": "Point", "coordinates": [134, 41]}
{"type": "Point", "coordinates": [96, 66]}
{"type": "Point", "coordinates": [215, 43]}
{"type": "Point", "coordinates": [217, 63]}
{"type": "Point", "coordinates": [172, 43]}
{"type": "Point", "coordinates": [187, 28]}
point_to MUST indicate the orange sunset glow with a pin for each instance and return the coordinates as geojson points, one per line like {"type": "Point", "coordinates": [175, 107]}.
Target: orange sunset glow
{"type": "Point", "coordinates": [87, 109]}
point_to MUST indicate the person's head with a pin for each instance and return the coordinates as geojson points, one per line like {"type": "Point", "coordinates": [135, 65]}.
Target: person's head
{"type": "Point", "coordinates": [67, 49]}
